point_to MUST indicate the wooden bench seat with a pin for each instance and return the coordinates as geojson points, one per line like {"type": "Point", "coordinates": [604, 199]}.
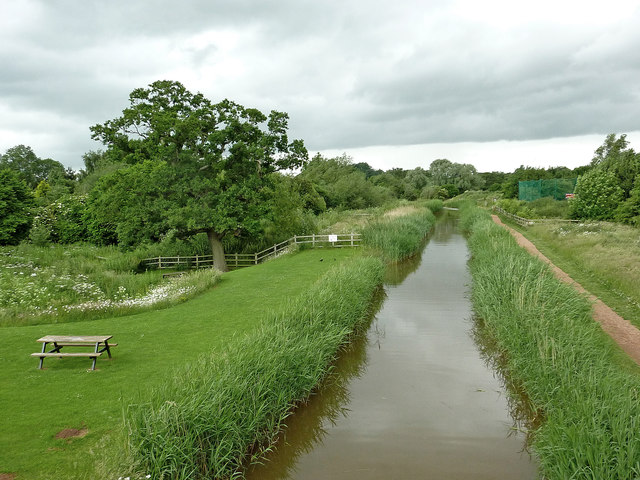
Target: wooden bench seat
{"type": "Point", "coordinates": [68, 354]}
{"type": "Point", "coordinates": [65, 344]}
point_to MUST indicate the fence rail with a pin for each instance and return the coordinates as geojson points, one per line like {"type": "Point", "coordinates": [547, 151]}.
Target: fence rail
{"type": "Point", "coordinates": [526, 222]}
{"type": "Point", "coordinates": [237, 260]}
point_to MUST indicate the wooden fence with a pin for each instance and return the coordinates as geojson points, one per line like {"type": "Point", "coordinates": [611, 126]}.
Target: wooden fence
{"type": "Point", "coordinates": [236, 260]}
{"type": "Point", "coordinates": [526, 222]}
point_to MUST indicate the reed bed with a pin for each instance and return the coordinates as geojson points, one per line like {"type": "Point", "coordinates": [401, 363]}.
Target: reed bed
{"type": "Point", "coordinates": [398, 237]}
{"type": "Point", "coordinates": [224, 411]}
{"type": "Point", "coordinates": [573, 375]}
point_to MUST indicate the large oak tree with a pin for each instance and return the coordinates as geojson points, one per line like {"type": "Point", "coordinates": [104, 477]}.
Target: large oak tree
{"type": "Point", "coordinates": [210, 162]}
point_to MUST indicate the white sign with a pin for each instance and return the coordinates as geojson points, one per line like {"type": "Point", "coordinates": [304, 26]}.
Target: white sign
{"type": "Point", "coordinates": [333, 238]}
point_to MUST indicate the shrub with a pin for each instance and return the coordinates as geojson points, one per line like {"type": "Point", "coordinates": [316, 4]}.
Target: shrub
{"type": "Point", "coordinates": [597, 195]}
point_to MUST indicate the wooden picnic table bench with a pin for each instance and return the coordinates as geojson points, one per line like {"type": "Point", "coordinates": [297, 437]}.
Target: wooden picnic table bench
{"type": "Point", "coordinates": [100, 342]}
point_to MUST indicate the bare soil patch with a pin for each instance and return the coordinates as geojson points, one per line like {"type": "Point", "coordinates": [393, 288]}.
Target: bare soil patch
{"type": "Point", "coordinates": [71, 433]}
{"type": "Point", "coordinates": [622, 331]}
{"type": "Point", "coordinates": [7, 476]}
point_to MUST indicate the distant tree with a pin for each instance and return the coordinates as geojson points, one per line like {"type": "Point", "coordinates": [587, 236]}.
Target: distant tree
{"type": "Point", "coordinates": [367, 169]}
{"type": "Point", "coordinates": [342, 185]}
{"type": "Point", "coordinates": [33, 169]}
{"type": "Point", "coordinates": [615, 156]}
{"type": "Point", "coordinates": [211, 161]}
{"type": "Point", "coordinates": [16, 202]}
{"type": "Point", "coordinates": [463, 176]}
{"type": "Point", "coordinates": [493, 180]}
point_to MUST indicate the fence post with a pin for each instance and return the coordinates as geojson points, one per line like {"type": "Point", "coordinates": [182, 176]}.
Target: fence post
{"type": "Point", "coordinates": [352, 239]}
{"type": "Point", "coordinates": [313, 240]}
{"type": "Point", "coordinates": [159, 263]}
{"type": "Point", "coordinates": [255, 258]}
{"type": "Point", "coordinates": [236, 259]}
{"type": "Point", "coordinates": [295, 239]}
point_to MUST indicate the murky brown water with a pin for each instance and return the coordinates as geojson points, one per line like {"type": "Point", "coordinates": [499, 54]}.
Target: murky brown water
{"type": "Point", "coordinates": [413, 399]}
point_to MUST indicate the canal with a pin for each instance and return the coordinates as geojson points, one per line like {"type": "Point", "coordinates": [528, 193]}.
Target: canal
{"type": "Point", "coordinates": [414, 397]}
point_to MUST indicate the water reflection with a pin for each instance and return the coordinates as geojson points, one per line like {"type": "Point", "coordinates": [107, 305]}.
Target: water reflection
{"type": "Point", "coordinates": [413, 398]}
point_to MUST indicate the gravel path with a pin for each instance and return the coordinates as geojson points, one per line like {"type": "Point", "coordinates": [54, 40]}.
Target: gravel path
{"type": "Point", "coordinates": [621, 330]}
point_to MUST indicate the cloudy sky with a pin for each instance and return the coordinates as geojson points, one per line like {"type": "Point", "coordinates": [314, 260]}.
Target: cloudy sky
{"type": "Point", "coordinates": [496, 83]}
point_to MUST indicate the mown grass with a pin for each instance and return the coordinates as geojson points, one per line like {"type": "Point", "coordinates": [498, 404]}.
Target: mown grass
{"type": "Point", "coordinates": [397, 237]}
{"type": "Point", "coordinates": [574, 376]}
{"type": "Point", "coordinates": [226, 409]}
{"type": "Point", "coordinates": [603, 257]}
{"type": "Point", "coordinates": [36, 404]}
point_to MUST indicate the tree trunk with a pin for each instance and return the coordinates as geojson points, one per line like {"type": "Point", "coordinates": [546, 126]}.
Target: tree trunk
{"type": "Point", "coordinates": [217, 250]}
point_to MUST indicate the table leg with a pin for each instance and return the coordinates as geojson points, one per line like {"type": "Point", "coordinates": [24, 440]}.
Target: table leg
{"type": "Point", "coordinates": [106, 347]}
{"type": "Point", "coordinates": [44, 349]}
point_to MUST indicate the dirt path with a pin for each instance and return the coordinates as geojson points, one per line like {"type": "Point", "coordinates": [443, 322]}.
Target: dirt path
{"type": "Point", "coordinates": [621, 330]}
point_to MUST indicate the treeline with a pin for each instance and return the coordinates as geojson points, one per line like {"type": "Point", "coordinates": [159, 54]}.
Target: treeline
{"type": "Point", "coordinates": [610, 189]}
{"type": "Point", "coordinates": [44, 203]}
{"type": "Point", "coordinates": [194, 175]}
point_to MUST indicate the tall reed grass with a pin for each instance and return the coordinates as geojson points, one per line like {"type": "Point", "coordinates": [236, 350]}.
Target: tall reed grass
{"type": "Point", "coordinates": [225, 411]}
{"type": "Point", "coordinates": [399, 237]}
{"type": "Point", "coordinates": [573, 375]}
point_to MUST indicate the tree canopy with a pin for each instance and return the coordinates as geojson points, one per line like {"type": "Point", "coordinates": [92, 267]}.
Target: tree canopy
{"type": "Point", "coordinates": [16, 202]}
{"type": "Point", "coordinates": [210, 163]}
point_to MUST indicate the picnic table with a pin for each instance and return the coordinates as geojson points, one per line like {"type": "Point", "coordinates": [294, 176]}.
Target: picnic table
{"type": "Point", "coordinates": [100, 342]}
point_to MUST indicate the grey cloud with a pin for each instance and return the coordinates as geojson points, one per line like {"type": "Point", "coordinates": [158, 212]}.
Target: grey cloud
{"type": "Point", "coordinates": [350, 74]}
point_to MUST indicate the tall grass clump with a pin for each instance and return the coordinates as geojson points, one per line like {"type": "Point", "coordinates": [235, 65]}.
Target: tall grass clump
{"type": "Point", "coordinates": [434, 204]}
{"type": "Point", "coordinates": [398, 237]}
{"type": "Point", "coordinates": [224, 411]}
{"type": "Point", "coordinates": [573, 375]}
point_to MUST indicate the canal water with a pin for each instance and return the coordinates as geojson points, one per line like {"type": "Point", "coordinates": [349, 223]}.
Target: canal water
{"type": "Point", "coordinates": [414, 398]}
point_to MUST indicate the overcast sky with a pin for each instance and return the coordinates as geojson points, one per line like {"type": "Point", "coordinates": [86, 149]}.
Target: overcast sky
{"type": "Point", "coordinates": [497, 83]}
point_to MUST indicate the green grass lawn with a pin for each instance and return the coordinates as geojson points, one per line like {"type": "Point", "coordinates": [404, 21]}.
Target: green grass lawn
{"type": "Point", "coordinates": [36, 404]}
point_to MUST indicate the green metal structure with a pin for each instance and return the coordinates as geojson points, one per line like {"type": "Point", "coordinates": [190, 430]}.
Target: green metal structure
{"type": "Point", "coordinates": [557, 188]}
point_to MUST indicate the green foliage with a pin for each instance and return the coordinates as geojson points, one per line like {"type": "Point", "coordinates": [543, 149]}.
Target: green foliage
{"type": "Point", "coordinates": [210, 162]}
{"type": "Point", "coordinates": [546, 207]}
{"type": "Point", "coordinates": [573, 377]}
{"type": "Point", "coordinates": [16, 202]}
{"type": "Point", "coordinates": [33, 170]}
{"type": "Point", "coordinates": [342, 185]}
{"type": "Point", "coordinates": [435, 205]}
{"type": "Point", "coordinates": [629, 210]}
{"type": "Point", "coordinates": [460, 176]}
{"type": "Point", "coordinates": [71, 283]}
{"type": "Point", "coordinates": [615, 157]}
{"type": "Point", "coordinates": [225, 410]}
{"type": "Point", "coordinates": [398, 237]}
{"type": "Point", "coordinates": [597, 195]}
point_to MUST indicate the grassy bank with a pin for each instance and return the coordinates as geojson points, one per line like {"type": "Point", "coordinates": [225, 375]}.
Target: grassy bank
{"type": "Point", "coordinates": [582, 386]}
{"type": "Point", "coordinates": [603, 257]}
{"type": "Point", "coordinates": [225, 409]}
{"type": "Point", "coordinates": [399, 233]}
{"type": "Point", "coordinates": [37, 405]}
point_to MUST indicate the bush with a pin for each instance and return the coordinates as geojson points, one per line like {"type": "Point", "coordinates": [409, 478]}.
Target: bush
{"type": "Point", "coordinates": [597, 196]}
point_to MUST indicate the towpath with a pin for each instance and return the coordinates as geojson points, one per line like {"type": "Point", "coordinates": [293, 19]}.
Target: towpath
{"type": "Point", "coordinates": [622, 331]}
